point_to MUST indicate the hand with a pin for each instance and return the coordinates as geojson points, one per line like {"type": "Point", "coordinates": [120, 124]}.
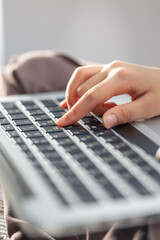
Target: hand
{"type": "Point", "coordinates": [91, 86]}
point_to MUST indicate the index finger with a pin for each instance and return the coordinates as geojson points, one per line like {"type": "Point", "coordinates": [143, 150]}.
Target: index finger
{"type": "Point", "coordinates": [79, 76]}
{"type": "Point", "coordinates": [95, 96]}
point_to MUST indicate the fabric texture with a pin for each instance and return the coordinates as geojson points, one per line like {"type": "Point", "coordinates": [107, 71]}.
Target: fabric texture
{"type": "Point", "coordinates": [44, 71]}
{"type": "Point", "coordinates": [3, 228]}
{"type": "Point", "coordinates": [38, 71]}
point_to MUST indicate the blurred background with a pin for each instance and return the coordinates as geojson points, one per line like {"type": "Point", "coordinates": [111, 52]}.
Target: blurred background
{"type": "Point", "coordinates": [99, 30]}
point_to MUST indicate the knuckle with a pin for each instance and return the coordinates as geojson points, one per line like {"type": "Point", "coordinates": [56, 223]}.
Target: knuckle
{"type": "Point", "coordinates": [121, 73]}
{"type": "Point", "coordinates": [124, 114]}
{"type": "Point", "coordinates": [80, 91]}
{"type": "Point", "coordinates": [116, 63]}
{"type": "Point", "coordinates": [90, 95]}
{"type": "Point", "coordinates": [78, 71]}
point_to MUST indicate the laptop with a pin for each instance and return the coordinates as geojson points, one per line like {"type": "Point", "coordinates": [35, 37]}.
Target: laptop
{"type": "Point", "coordinates": [83, 176]}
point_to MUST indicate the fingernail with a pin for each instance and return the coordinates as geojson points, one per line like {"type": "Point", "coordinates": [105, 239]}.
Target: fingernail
{"type": "Point", "coordinates": [62, 121]}
{"type": "Point", "coordinates": [110, 121]}
{"type": "Point", "coordinates": [58, 122]}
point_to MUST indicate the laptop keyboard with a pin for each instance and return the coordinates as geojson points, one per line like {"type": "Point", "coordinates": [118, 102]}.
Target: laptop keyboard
{"type": "Point", "coordinates": [93, 148]}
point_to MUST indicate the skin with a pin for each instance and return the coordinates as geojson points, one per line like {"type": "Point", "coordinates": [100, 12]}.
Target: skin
{"type": "Point", "coordinates": [91, 86]}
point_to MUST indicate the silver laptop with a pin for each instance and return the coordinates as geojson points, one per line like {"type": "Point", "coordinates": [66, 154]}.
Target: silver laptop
{"type": "Point", "coordinates": [64, 180]}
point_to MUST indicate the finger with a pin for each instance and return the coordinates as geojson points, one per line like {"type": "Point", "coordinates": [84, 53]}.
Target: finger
{"type": "Point", "coordinates": [79, 76]}
{"type": "Point", "coordinates": [91, 82]}
{"type": "Point", "coordinates": [91, 99]}
{"type": "Point", "coordinates": [138, 109]}
{"type": "Point", "coordinates": [157, 155]}
{"type": "Point", "coordinates": [102, 108]}
{"type": "Point", "coordinates": [63, 104]}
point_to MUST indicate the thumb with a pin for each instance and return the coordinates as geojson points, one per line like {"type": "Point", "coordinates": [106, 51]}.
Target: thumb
{"type": "Point", "coordinates": [124, 113]}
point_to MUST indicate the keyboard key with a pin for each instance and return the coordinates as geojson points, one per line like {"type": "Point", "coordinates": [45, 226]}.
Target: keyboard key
{"type": "Point", "coordinates": [49, 103]}
{"type": "Point", "coordinates": [57, 135]}
{"type": "Point", "coordinates": [55, 109]}
{"type": "Point", "coordinates": [8, 127]}
{"type": "Point", "coordinates": [36, 112]}
{"type": "Point", "coordinates": [1, 115]}
{"type": "Point", "coordinates": [28, 128]}
{"type": "Point", "coordinates": [138, 186]}
{"type": "Point", "coordinates": [41, 117]}
{"type": "Point", "coordinates": [45, 147]}
{"type": "Point", "coordinates": [46, 123]}
{"type": "Point", "coordinates": [80, 157]}
{"type": "Point", "coordinates": [19, 140]}
{"type": "Point", "coordinates": [117, 166]}
{"type": "Point", "coordinates": [23, 122]}
{"type": "Point", "coordinates": [58, 114]}
{"type": "Point", "coordinates": [93, 144]}
{"type": "Point", "coordinates": [78, 131]}
{"type": "Point", "coordinates": [109, 159]}
{"type": "Point", "coordinates": [95, 125]}
{"type": "Point", "coordinates": [113, 139]}
{"type": "Point", "coordinates": [86, 163]}
{"type": "Point", "coordinates": [85, 138]}
{"type": "Point", "coordinates": [40, 140]}
{"type": "Point", "coordinates": [27, 103]}
{"type": "Point", "coordinates": [18, 116]}
{"type": "Point", "coordinates": [139, 161]}
{"type": "Point", "coordinates": [121, 146]}
{"type": "Point", "coordinates": [72, 149]}
{"type": "Point", "coordinates": [154, 174]}
{"type": "Point", "coordinates": [101, 132]}
{"type": "Point", "coordinates": [52, 156]}
{"type": "Point", "coordinates": [33, 134]}
{"type": "Point", "coordinates": [32, 107]}
{"type": "Point", "coordinates": [57, 162]}
{"type": "Point", "coordinates": [52, 129]}
{"type": "Point", "coordinates": [75, 125]}
{"type": "Point", "coordinates": [101, 152]}
{"type": "Point", "coordinates": [64, 141]}
{"type": "Point", "coordinates": [9, 105]}
{"type": "Point", "coordinates": [14, 111]}
{"type": "Point", "coordinates": [13, 134]}
{"type": "Point", "coordinates": [32, 158]}
{"type": "Point", "coordinates": [130, 153]}
{"type": "Point", "coordinates": [4, 121]}
{"type": "Point", "coordinates": [88, 120]}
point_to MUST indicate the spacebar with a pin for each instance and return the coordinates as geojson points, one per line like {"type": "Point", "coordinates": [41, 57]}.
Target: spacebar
{"type": "Point", "coordinates": [136, 137]}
